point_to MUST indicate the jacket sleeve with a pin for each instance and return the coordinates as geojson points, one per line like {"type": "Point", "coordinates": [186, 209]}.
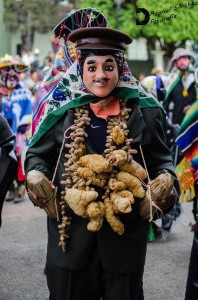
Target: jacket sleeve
{"type": "Point", "coordinates": [6, 134]}
{"type": "Point", "coordinates": [155, 150]}
{"type": "Point", "coordinates": [43, 155]}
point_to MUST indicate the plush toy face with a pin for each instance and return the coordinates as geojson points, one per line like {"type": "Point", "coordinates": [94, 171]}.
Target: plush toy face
{"type": "Point", "coordinates": [100, 75]}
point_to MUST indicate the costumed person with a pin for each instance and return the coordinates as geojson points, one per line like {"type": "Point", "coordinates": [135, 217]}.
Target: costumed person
{"type": "Point", "coordinates": [8, 160]}
{"type": "Point", "coordinates": [187, 172]}
{"type": "Point", "coordinates": [17, 108]}
{"type": "Point", "coordinates": [100, 168]}
{"type": "Point", "coordinates": [180, 92]}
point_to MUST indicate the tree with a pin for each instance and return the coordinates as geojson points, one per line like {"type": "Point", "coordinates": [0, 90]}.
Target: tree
{"type": "Point", "coordinates": [171, 22]}
{"type": "Point", "coordinates": [29, 16]}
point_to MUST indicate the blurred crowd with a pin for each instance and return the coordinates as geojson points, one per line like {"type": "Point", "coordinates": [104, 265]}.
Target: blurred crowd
{"type": "Point", "coordinates": [20, 78]}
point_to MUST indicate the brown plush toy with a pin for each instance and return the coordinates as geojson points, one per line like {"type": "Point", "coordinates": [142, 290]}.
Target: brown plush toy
{"type": "Point", "coordinates": [78, 200]}
{"type": "Point", "coordinates": [113, 220]}
{"type": "Point", "coordinates": [96, 163]}
{"type": "Point", "coordinates": [118, 135]}
{"type": "Point", "coordinates": [134, 169]}
{"type": "Point", "coordinates": [116, 185]}
{"type": "Point", "coordinates": [92, 177]}
{"type": "Point", "coordinates": [133, 184]}
{"type": "Point", "coordinates": [122, 201]}
{"type": "Point", "coordinates": [117, 158]}
{"type": "Point", "coordinates": [95, 212]}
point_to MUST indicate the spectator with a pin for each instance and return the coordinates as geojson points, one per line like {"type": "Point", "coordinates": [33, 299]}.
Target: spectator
{"type": "Point", "coordinates": [8, 161]}
{"type": "Point", "coordinates": [17, 108]}
{"type": "Point", "coordinates": [181, 91]}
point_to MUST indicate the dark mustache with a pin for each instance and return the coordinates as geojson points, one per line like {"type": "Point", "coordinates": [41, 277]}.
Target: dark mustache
{"type": "Point", "coordinates": [101, 80]}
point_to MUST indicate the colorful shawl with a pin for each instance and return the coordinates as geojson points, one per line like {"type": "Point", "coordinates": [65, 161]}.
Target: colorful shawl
{"type": "Point", "coordinates": [53, 76]}
{"type": "Point", "coordinates": [71, 92]}
{"type": "Point", "coordinates": [18, 107]}
{"type": "Point", "coordinates": [187, 139]}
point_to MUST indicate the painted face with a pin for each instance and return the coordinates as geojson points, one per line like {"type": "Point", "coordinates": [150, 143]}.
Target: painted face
{"type": "Point", "coordinates": [182, 63]}
{"type": "Point", "coordinates": [11, 83]}
{"type": "Point", "coordinates": [100, 75]}
{"type": "Point", "coordinates": [11, 80]}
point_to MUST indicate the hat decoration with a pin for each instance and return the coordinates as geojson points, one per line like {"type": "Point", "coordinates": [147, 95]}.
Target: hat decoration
{"type": "Point", "coordinates": [87, 17]}
{"type": "Point", "coordinates": [8, 63]}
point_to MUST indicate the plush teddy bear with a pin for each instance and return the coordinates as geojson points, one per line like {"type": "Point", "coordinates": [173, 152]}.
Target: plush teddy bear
{"type": "Point", "coordinates": [79, 199]}
{"type": "Point", "coordinates": [133, 184]}
{"type": "Point", "coordinates": [95, 212]}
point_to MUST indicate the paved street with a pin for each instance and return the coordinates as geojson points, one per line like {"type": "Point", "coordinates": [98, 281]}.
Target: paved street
{"type": "Point", "coordinates": [23, 249]}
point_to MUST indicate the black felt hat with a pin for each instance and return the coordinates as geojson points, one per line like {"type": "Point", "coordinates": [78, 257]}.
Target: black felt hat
{"type": "Point", "coordinates": [100, 38]}
{"type": "Point", "coordinates": [85, 17]}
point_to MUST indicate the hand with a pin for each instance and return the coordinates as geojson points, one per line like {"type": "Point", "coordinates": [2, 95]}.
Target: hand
{"type": "Point", "coordinates": [40, 202]}
{"type": "Point", "coordinates": [165, 204]}
{"type": "Point", "coordinates": [186, 108]}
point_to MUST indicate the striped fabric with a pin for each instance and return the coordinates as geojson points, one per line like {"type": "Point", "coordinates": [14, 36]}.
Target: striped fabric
{"type": "Point", "coordinates": [50, 81]}
{"type": "Point", "coordinates": [187, 139]}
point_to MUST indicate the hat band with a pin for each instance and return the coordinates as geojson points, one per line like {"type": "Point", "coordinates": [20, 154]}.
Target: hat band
{"type": "Point", "coordinates": [103, 41]}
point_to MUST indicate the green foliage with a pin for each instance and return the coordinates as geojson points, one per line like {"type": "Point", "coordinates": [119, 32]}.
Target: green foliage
{"type": "Point", "coordinates": [180, 26]}
{"type": "Point", "coordinates": [43, 14]}
{"type": "Point", "coordinates": [107, 7]}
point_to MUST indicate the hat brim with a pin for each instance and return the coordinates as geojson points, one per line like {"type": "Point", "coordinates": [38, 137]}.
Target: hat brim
{"type": "Point", "coordinates": [18, 66]}
{"type": "Point", "coordinates": [99, 47]}
{"type": "Point", "coordinates": [100, 38]}
{"type": "Point", "coordinates": [183, 53]}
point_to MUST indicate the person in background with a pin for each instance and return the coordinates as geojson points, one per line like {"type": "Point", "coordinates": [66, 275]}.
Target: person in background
{"type": "Point", "coordinates": [141, 77]}
{"type": "Point", "coordinates": [180, 92]}
{"type": "Point", "coordinates": [36, 63]}
{"type": "Point", "coordinates": [8, 160]}
{"type": "Point", "coordinates": [27, 58]}
{"type": "Point", "coordinates": [104, 257]}
{"type": "Point", "coordinates": [187, 141]}
{"type": "Point", "coordinates": [17, 107]}
{"type": "Point", "coordinates": [157, 71]}
{"type": "Point", "coordinates": [31, 80]}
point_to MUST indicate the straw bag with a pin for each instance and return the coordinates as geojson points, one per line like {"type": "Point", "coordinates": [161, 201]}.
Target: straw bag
{"type": "Point", "coordinates": [41, 187]}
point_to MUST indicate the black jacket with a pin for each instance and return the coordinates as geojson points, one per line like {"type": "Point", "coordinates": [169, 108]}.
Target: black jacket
{"type": "Point", "coordinates": [119, 254]}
